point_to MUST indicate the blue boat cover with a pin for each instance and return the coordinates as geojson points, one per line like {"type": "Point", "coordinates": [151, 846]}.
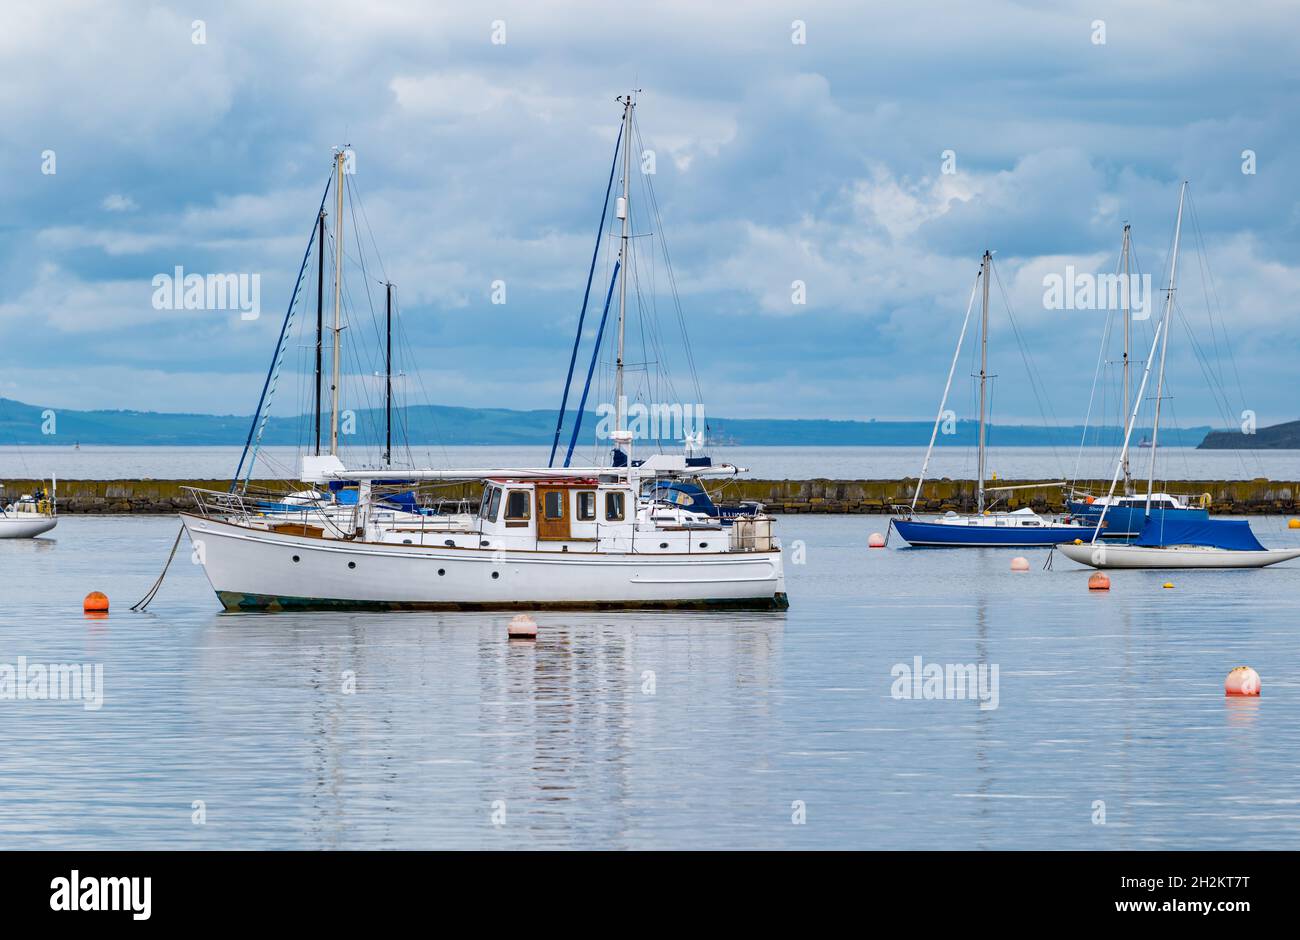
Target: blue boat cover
{"type": "Point", "coordinates": [1232, 534]}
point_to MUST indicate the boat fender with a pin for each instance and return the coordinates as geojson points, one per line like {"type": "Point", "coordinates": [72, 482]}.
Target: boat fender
{"type": "Point", "coordinates": [1206, 498]}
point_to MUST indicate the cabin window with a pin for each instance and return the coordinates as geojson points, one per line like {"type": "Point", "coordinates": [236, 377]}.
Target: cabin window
{"type": "Point", "coordinates": [496, 504]}
{"type": "Point", "coordinates": [517, 505]}
{"type": "Point", "coordinates": [487, 501]}
{"type": "Point", "coordinates": [553, 505]}
{"type": "Point", "coordinates": [613, 507]}
{"type": "Point", "coordinates": [586, 506]}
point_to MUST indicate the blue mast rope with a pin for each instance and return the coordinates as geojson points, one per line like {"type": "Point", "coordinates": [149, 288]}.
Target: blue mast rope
{"type": "Point", "coordinates": [275, 359]}
{"type": "Point", "coordinates": [604, 211]}
{"type": "Point", "coordinates": [595, 351]}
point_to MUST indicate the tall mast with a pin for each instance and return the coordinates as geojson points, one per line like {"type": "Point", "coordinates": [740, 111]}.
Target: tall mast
{"type": "Point", "coordinates": [320, 313]}
{"type": "Point", "coordinates": [1164, 344]}
{"type": "Point", "coordinates": [621, 211]}
{"type": "Point", "coordinates": [338, 295]}
{"type": "Point", "coordinates": [984, 370]}
{"type": "Point", "coordinates": [388, 379]}
{"type": "Point", "coordinates": [1128, 317]}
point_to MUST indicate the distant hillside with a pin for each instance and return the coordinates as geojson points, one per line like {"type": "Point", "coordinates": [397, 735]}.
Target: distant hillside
{"type": "Point", "coordinates": [1278, 437]}
{"type": "Point", "coordinates": [440, 424]}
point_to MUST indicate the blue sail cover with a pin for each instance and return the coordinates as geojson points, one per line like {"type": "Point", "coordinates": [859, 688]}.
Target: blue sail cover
{"type": "Point", "coordinates": [1231, 534]}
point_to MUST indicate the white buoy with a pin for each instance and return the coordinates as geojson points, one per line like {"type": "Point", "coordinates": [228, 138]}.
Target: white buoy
{"type": "Point", "coordinates": [1242, 681]}
{"type": "Point", "coordinates": [1020, 563]}
{"type": "Point", "coordinates": [875, 540]}
{"type": "Point", "coordinates": [522, 627]}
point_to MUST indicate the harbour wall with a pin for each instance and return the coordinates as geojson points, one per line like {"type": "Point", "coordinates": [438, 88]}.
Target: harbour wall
{"type": "Point", "coordinates": [1234, 497]}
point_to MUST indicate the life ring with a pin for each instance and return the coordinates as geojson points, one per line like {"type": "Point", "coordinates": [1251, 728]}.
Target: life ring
{"type": "Point", "coordinates": [1090, 500]}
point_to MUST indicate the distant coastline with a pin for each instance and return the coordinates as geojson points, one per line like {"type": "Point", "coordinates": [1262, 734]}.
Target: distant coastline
{"type": "Point", "coordinates": [30, 425]}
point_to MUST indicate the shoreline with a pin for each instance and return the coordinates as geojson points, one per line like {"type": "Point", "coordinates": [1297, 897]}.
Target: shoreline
{"type": "Point", "coordinates": [781, 497]}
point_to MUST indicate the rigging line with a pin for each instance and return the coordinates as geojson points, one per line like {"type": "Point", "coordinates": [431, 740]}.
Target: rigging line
{"type": "Point", "coordinates": [1087, 419]}
{"type": "Point", "coordinates": [595, 352]}
{"type": "Point", "coordinates": [1035, 382]}
{"type": "Point", "coordinates": [145, 601]}
{"type": "Point", "coordinates": [668, 267]}
{"type": "Point", "coordinates": [280, 342]}
{"type": "Point", "coordinates": [586, 294]}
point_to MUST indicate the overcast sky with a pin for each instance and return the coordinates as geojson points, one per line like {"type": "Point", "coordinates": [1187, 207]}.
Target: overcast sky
{"type": "Point", "coordinates": [776, 161]}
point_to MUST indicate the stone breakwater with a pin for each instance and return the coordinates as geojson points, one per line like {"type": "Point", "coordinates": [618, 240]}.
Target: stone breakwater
{"type": "Point", "coordinates": [1235, 497]}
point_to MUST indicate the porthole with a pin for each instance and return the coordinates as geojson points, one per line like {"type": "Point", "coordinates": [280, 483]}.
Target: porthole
{"type": "Point", "coordinates": [352, 564]}
{"type": "Point", "coordinates": [441, 572]}
{"type": "Point", "coordinates": [296, 559]}
{"type": "Point", "coordinates": [406, 541]}
{"type": "Point", "coordinates": [704, 545]}
{"type": "Point", "coordinates": [663, 544]}
{"type": "Point", "coordinates": [450, 543]}
{"type": "Point", "coordinates": [495, 575]}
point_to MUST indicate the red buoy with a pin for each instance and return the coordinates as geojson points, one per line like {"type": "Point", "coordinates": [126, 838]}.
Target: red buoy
{"type": "Point", "coordinates": [1099, 582]}
{"type": "Point", "coordinates": [95, 603]}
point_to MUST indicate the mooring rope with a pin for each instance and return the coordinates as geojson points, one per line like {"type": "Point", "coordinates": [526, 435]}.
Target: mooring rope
{"type": "Point", "coordinates": [145, 601]}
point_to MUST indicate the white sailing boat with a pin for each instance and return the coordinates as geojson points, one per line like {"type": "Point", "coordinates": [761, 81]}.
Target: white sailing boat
{"type": "Point", "coordinates": [985, 528]}
{"type": "Point", "coordinates": [1168, 540]}
{"type": "Point", "coordinates": [30, 515]}
{"type": "Point", "coordinates": [627, 534]}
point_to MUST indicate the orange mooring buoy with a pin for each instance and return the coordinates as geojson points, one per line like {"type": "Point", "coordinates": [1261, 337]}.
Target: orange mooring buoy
{"type": "Point", "coordinates": [95, 603]}
{"type": "Point", "coordinates": [1241, 681]}
{"type": "Point", "coordinates": [1099, 582]}
{"type": "Point", "coordinates": [522, 627]}
{"type": "Point", "coordinates": [1020, 563]}
{"type": "Point", "coordinates": [875, 540]}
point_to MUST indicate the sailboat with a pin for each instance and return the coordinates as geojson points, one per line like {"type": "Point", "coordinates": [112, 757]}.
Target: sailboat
{"type": "Point", "coordinates": [1169, 540]}
{"type": "Point", "coordinates": [30, 515]}
{"type": "Point", "coordinates": [1126, 513]}
{"type": "Point", "coordinates": [599, 536]}
{"type": "Point", "coordinates": [1021, 528]}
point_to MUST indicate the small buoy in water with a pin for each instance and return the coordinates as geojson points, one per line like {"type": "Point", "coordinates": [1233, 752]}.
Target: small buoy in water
{"type": "Point", "coordinates": [1241, 681]}
{"type": "Point", "coordinates": [522, 627]}
{"type": "Point", "coordinates": [875, 540]}
{"type": "Point", "coordinates": [1020, 563]}
{"type": "Point", "coordinates": [1167, 584]}
{"type": "Point", "coordinates": [1293, 524]}
{"type": "Point", "coordinates": [95, 603]}
{"type": "Point", "coordinates": [1099, 582]}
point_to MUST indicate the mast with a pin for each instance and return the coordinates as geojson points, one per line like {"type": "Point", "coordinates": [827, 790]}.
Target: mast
{"type": "Point", "coordinates": [984, 369]}
{"type": "Point", "coordinates": [1128, 317]}
{"type": "Point", "coordinates": [338, 307]}
{"type": "Point", "coordinates": [1164, 345]}
{"type": "Point", "coordinates": [388, 379]}
{"type": "Point", "coordinates": [320, 313]}
{"type": "Point", "coordinates": [621, 212]}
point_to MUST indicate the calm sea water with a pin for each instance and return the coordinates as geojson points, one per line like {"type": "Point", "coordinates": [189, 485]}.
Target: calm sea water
{"type": "Point", "coordinates": [781, 463]}
{"type": "Point", "coordinates": [1114, 697]}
